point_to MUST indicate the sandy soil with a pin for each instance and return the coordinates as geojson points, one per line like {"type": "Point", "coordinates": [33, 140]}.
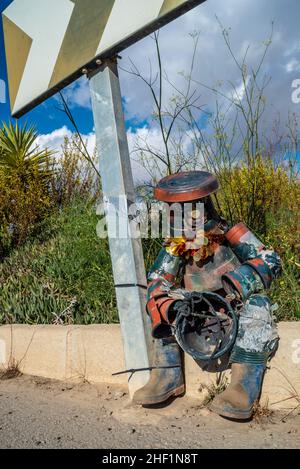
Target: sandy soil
{"type": "Point", "coordinates": [39, 413]}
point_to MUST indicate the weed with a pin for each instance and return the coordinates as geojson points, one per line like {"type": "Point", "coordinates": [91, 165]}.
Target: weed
{"type": "Point", "coordinates": [11, 371]}
{"type": "Point", "coordinates": [261, 412]}
{"type": "Point", "coordinates": [215, 388]}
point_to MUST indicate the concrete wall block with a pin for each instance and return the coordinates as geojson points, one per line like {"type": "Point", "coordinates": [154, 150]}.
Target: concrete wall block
{"type": "Point", "coordinates": [37, 350]}
{"type": "Point", "coordinates": [95, 352]}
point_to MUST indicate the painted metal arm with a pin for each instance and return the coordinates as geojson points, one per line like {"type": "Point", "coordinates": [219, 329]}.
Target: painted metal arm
{"type": "Point", "coordinates": [260, 266]}
{"type": "Point", "coordinates": [162, 277]}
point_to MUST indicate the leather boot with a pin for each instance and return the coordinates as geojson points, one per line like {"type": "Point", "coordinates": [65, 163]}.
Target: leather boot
{"type": "Point", "coordinates": [239, 399]}
{"type": "Point", "coordinates": [164, 382]}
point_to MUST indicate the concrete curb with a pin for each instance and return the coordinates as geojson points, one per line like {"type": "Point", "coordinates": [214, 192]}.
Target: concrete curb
{"type": "Point", "coordinates": [75, 353]}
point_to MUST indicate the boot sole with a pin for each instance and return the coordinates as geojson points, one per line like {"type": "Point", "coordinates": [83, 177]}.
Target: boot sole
{"type": "Point", "coordinates": [238, 415]}
{"type": "Point", "coordinates": [159, 399]}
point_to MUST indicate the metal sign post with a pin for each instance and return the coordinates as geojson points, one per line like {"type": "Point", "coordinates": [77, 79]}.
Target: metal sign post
{"type": "Point", "coordinates": [126, 253]}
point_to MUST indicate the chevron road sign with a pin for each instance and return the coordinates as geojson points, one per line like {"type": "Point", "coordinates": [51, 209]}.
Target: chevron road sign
{"type": "Point", "coordinates": [49, 42]}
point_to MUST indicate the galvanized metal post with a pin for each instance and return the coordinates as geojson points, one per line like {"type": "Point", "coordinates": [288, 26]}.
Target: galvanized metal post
{"type": "Point", "coordinates": [126, 254]}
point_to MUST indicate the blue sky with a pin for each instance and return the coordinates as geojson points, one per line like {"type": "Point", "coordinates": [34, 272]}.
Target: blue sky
{"type": "Point", "coordinates": [250, 23]}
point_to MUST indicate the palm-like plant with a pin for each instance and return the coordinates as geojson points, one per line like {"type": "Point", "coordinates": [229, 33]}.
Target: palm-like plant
{"type": "Point", "coordinates": [19, 151]}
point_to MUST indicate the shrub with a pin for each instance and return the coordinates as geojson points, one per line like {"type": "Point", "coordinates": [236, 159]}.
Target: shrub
{"type": "Point", "coordinates": [258, 194]}
{"type": "Point", "coordinates": [24, 185]}
{"type": "Point", "coordinates": [24, 203]}
{"type": "Point", "coordinates": [74, 174]}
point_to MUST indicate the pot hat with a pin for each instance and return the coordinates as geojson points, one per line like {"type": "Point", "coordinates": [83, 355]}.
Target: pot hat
{"type": "Point", "coordinates": [186, 186]}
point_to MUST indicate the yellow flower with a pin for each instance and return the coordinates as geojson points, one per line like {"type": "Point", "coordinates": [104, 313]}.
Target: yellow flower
{"type": "Point", "coordinates": [175, 246]}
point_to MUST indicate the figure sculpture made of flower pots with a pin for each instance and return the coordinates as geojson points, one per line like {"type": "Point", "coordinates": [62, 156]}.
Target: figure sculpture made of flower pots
{"type": "Point", "coordinates": [206, 298]}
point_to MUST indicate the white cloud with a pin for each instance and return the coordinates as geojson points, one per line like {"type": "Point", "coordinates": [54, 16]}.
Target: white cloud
{"type": "Point", "coordinates": [143, 138]}
{"type": "Point", "coordinates": [78, 94]}
{"type": "Point", "coordinates": [151, 136]}
{"type": "Point", "coordinates": [293, 49]}
{"type": "Point", "coordinates": [91, 142]}
{"type": "Point", "coordinates": [292, 66]}
{"type": "Point", "coordinates": [238, 93]}
{"type": "Point", "coordinates": [54, 140]}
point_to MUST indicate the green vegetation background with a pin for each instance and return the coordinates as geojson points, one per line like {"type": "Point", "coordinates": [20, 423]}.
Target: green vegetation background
{"type": "Point", "coordinates": [53, 267]}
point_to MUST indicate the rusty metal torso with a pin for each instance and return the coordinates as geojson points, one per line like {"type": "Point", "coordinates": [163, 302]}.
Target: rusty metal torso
{"type": "Point", "coordinates": [206, 275]}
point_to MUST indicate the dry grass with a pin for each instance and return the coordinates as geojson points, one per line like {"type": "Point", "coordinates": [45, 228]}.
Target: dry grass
{"type": "Point", "coordinates": [262, 412]}
{"type": "Point", "coordinates": [293, 395]}
{"type": "Point", "coordinates": [11, 371]}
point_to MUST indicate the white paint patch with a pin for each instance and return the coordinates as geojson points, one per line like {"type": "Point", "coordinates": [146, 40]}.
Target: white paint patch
{"type": "Point", "coordinates": [2, 352]}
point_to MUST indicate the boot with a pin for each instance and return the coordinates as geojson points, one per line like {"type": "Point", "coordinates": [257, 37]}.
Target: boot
{"type": "Point", "coordinates": [239, 399]}
{"type": "Point", "coordinates": [164, 382]}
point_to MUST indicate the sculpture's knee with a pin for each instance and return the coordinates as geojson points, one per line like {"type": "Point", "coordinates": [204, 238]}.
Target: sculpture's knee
{"type": "Point", "coordinates": [257, 329]}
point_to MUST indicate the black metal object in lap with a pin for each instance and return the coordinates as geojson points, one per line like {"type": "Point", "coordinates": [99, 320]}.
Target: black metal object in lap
{"type": "Point", "coordinates": [205, 326]}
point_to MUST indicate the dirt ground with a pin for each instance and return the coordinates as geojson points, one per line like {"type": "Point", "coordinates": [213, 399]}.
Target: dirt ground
{"type": "Point", "coordinates": [39, 413]}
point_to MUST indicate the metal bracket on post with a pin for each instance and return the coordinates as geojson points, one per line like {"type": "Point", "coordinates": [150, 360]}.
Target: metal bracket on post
{"type": "Point", "coordinates": [126, 253]}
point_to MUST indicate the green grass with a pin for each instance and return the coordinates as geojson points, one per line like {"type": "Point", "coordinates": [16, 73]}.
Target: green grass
{"type": "Point", "coordinates": [64, 274]}
{"type": "Point", "coordinates": [285, 291]}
